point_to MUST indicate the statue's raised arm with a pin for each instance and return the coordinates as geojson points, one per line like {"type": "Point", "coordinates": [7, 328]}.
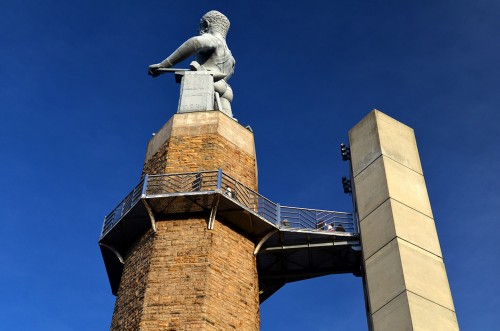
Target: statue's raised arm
{"type": "Point", "coordinates": [211, 54]}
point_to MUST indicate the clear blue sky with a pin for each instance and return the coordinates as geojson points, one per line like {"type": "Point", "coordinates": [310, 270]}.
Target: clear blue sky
{"type": "Point", "coordinates": [77, 110]}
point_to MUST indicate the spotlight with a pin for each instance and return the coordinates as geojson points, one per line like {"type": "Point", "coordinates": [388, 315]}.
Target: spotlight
{"type": "Point", "coordinates": [346, 185]}
{"type": "Point", "coordinates": [345, 151]}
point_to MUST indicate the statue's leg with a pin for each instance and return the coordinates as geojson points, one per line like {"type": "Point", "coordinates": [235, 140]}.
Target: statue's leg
{"type": "Point", "coordinates": [228, 93]}
{"type": "Point", "coordinates": [226, 107]}
{"type": "Point", "coordinates": [226, 96]}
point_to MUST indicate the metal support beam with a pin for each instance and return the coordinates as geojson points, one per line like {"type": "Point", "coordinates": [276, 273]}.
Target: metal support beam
{"type": "Point", "coordinates": [111, 248]}
{"type": "Point", "coordinates": [213, 212]}
{"type": "Point", "coordinates": [150, 213]}
{"type": "Point", "coordinates": [263, 240]}
{"type": "Point", "coordinates": [335, 243]}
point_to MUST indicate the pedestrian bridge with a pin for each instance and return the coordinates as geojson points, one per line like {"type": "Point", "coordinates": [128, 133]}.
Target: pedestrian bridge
{"type": "Point", "coordinates": [291, 243]}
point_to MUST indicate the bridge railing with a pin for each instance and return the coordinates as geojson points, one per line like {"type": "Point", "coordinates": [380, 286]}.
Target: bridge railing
{"type": "Point", "coordinates": [317, 219]}
{"type": "Point", "coordinates": [155, 186]}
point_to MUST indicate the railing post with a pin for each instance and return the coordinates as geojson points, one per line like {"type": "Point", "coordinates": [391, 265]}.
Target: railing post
{"type": "Point", "coordinates": [119, 215]}
{"type": "Point", "coordinates": [278, 214]}
{"type": "Point", "coordinates": [355, 223]}
{"type": "Point", "coordinates": [219, 179]}
{"type": "Point", "coordinates": [144, 186]}
{"type": "Point", "coordinates": [103, 226]}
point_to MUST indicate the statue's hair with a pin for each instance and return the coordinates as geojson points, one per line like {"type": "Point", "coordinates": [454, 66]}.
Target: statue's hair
{"type": "Point", "coordinates": [218, 22]}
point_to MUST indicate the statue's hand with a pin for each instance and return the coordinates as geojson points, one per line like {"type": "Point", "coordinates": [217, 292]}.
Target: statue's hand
{"type": "Point", "coordinates": [153, 69]}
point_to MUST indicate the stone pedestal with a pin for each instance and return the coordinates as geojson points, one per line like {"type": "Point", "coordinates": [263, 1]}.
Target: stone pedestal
{"type": "Point", "coordinates": [185, 276]}
{"type": "Point", "coordinates": [405, 277]}
{"type": "Point", "coordinates": [197, 92]}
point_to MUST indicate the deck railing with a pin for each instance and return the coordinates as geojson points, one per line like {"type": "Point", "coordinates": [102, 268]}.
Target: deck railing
{"type": "Point", "coordinates": [156, 186]}
{"type": "Point", "coordinates": [202, 181]}
{"type": "Point", "coordinates": [123, 207]}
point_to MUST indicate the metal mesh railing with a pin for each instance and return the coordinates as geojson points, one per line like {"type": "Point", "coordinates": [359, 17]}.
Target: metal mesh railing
{"type": "Point", "coordinates": [317, 219]}
{"type": "Point", "coordinates": [235, 190]}
{"type": "Point", "coordinates": [156, 186]}
{"type": "Point", "coordinates": [123, 208]}
{"type": "Point", "coordinates": [181, 183]}
{"type": "Point", "coordinates": [249, 198]}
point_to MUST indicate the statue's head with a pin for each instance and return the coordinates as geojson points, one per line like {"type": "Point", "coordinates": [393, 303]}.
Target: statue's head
{"type": "Point", "coordinates": [214, 21]}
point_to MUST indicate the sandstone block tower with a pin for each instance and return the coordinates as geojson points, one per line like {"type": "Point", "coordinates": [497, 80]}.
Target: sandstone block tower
{"type": "Point", "coordinates": [188, 271]}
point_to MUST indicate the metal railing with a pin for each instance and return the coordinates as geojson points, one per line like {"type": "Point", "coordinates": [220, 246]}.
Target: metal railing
{"type": "Point", "coordinates": [317, 219]}
{"type": "Point", "coordinates": [202, 181]}
{"type": "Point", "coordinates": [156, 186]}
{"type": "Point", "coordinates": [123, 207]}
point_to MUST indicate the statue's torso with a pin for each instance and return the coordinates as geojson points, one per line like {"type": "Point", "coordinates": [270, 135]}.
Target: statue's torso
{"type": "Point", "coordinates": [218, 58]}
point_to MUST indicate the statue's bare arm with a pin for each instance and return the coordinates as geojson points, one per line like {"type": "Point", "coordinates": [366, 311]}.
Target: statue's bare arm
{"type": "Point", "coordinates": [189, 48]}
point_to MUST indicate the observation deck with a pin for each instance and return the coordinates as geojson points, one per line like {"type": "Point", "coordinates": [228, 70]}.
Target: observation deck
{"type": "Point", "coordinates": [291, 243]}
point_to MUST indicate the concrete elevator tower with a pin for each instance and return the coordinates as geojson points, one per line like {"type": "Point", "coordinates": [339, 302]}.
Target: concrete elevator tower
{"type": "Point", "coordinates": [405, 278]}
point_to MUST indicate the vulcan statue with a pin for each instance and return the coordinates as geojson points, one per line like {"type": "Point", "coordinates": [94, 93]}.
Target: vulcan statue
{"type": "Point", "coordinates": [211, 55]}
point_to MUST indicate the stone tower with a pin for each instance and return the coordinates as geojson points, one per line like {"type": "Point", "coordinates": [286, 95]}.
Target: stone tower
{"type": "Point", "coordinates": [180, 274]}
